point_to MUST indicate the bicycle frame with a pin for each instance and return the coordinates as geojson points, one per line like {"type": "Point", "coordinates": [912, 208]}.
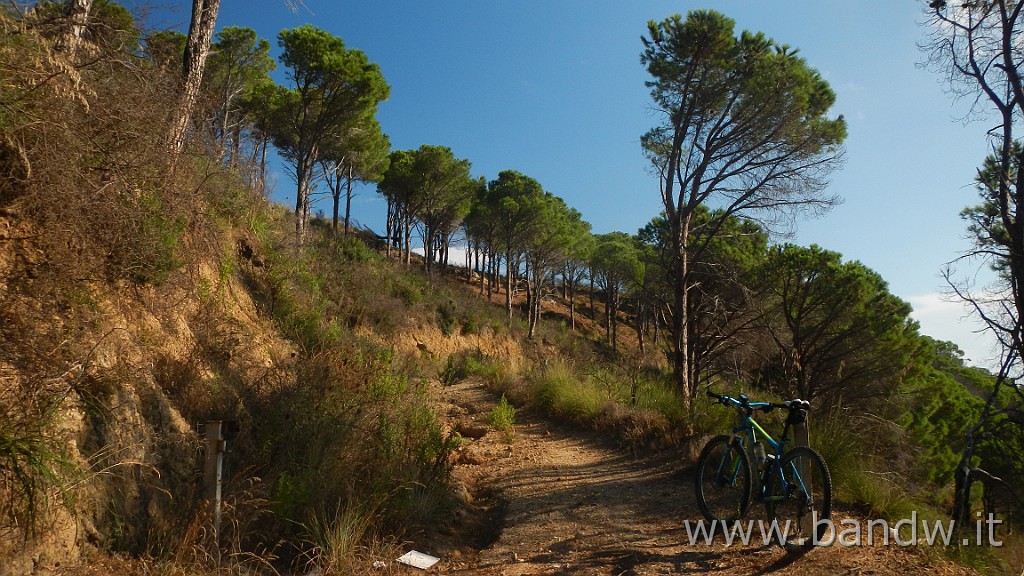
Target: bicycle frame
{"type": "Point", "coordinates": [792, 482]}
{"type": "Point", "coordinates": [747, 432]}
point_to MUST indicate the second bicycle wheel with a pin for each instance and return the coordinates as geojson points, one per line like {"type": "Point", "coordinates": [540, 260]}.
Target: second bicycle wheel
{"type": "Point", "coordinates": [800, 502]}
{"type": "Point", "coordinates": [723, 480]}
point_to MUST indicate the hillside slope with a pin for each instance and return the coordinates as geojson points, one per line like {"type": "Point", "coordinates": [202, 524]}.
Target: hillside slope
{"type": "Point", "coordinates": [114, 387]}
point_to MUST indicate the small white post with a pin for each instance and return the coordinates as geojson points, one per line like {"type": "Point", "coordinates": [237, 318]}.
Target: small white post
{"type": "Point", "coordinates": [215, 448]}
{"type": "Point", "coordinates": [802, 437]}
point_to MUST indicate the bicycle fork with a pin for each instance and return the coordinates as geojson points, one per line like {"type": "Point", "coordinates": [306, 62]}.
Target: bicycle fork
{"type": "Point", "coordinates": [729, 468]}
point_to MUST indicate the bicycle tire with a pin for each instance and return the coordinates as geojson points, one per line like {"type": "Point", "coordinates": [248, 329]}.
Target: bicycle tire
{"type": "Point", "coordinates": [723, 497]}
{"type": "Point", "coordinates": [797, 513]}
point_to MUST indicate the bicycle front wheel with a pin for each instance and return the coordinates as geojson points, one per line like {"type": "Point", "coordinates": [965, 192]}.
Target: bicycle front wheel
{"type": "Point", "coordinates": [723, 480]}
{"type": "Point", "coordinates": [800, 498]}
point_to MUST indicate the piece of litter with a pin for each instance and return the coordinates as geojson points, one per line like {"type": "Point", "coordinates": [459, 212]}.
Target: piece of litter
{"type": "Point", "coordinates": [418, 559]}
{"type": "Point", "coordinates": [380, 565]}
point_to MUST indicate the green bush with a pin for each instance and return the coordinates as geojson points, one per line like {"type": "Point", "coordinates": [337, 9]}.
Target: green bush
{"type": "Point", "coordinates": [446, 318]}
{"type": "Point", "coordinates": [853, 447]}
{"type": "Point", "coordinates": [406, 287]}
{"type": "Point", "coordinates": [658, 396]}
{"type": "Point", "coordinates": [32, 467]}
{"type": "Point", "coordinates": [462, 365]}
{"type": "Point", "coordinates": [352, 427]}
{"type": "Point", "coordinates": [151, 253]}
{"type": "Point", "coordinates": [502, 416]}
{"type": "Point", "coordinates": [564, 393]}
{"type": "Point", "coordinates": [837, 438]}
{"type": "Point", "coordinates": [471, 324]}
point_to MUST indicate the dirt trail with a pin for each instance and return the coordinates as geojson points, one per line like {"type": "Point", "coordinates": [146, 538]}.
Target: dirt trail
{"type": "Point", "coordinates": [551, 501]}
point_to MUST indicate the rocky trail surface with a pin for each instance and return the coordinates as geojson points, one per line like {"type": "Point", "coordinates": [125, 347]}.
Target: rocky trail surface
{"type": "Point", "coordinates": [548, 500]}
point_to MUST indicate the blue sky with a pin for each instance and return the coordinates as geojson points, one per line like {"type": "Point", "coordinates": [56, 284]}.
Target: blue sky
{"type": "Point", "coordinates": [555, 90]}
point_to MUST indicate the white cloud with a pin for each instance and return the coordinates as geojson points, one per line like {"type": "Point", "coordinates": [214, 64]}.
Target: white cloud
{"type": "Point", "coordinates": [456, 255]}
{"type": "Point", "coordinates": [946, 318]}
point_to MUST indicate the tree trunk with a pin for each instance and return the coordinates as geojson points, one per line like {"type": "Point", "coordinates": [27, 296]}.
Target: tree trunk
{"type": "Point", "coordinates": [428, 248]}
{"type": "Point", "coordinates": [572, 306]}
{"type": "Point", "coordinates": [225, 124]}
{"type": "Point", "coordinates": [641, 317]}
{"type": "Point", "coordinates": [236, 144]}
{"type": "Point", "coordinates": [333, 179]}
{"type": "Point", "coordinates": [615, 324]}
{"type": "Point", "coordinates": [446, 244]}
{"type": "Point", "coordinates": [656, 321]}
{"type": "Point", "coordinates": [531, 299]}
{"type": "Point", "coordinates": [263, 164]}
{"type": "Point", "coordinates": [348, 197]}
{"type": "Point", "coordinates": [486, 262]}
{"type": "Point", "coordinates": [79, 19]}
{"type": "Point", "coordinates": [387, 230]}
{"type": "Point", "coordinates": [492, 278]}
{"type": "Point", "coordinates": [961, 476]}
{"type": "Point", "coordinates": [593, 310]}
{"type": "Point", "coordinates": [608, 316]}
{"type": "Point", "coordinates": [529, 290]}
{"type": "Point", "coordinates": [492, 263]}
{"type": "Point", "coordinates": [303, 179]}
{"type": "Point", "coordinates": [482, 270]}
{"type": "Point", "coordinates": [508, 286]}
{"type": "Point", "coordinates": [680, 319]}
{"type": "Point", "coordinates": [408, 240]}
{"type": "Point", "coordinates": [301, 217]}
{"type": "Point", "coordinates": [197, 47]}
{"type": "Point", "coordinates": [336, 198]}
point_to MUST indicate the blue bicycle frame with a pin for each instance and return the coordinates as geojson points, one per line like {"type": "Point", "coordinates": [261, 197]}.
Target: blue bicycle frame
{"type": "Point", "coordinates": [747, 432]}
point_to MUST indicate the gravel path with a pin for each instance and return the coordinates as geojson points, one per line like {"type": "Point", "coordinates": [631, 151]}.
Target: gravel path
{"type": "Point", "coordinates": [547, 500]}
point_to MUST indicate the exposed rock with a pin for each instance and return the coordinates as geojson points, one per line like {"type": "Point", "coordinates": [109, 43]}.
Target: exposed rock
{"type": "Point", "coordinates": [471, 429]}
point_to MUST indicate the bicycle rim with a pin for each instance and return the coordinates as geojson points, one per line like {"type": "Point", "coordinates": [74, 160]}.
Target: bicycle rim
{"type": "Point", "coordinates": [723, 481]}
{"type": "Point", "coordinates": [805, 498]}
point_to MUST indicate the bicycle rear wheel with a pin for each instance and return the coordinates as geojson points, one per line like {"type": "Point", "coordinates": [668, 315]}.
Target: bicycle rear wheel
{"type": "Point", "coordinates": [723, 481]}
{"type": "Point", "coordinates": [801, 498]}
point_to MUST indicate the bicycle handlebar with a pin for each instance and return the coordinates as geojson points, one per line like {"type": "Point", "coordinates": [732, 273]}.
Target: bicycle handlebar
{"type": "Point", "coordinates": [744, 402]}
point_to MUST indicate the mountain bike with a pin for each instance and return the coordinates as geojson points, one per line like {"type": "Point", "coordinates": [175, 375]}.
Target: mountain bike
{"type": "Point", "coordinates": [794, 485]}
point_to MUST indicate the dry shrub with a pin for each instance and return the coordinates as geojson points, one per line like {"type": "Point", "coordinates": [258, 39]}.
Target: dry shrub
{"type": "Point", "coordinates": [345, 542]}
{"type": "Point", "coordinates": [34, 464]}
{"type": "Point", "coordinates": [101, 183]}
{"type": "Point", "coordinates": [241, 545]}
{"type": "Point", "coordinates": [637, 428]}
{"type": "Point", "coordinates": [39, 372]}
{"type": "Point", "coordinates": [346, 427]}
{"type": "Point", "coordinates": [96, 207]}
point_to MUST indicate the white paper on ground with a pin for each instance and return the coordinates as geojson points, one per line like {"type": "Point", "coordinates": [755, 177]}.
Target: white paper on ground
{"type": "Point", "coordinates": [418, 559]}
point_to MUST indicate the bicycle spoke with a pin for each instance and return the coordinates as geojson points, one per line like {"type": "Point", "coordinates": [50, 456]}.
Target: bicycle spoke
{"type": "Point", "coordinates": [723, 481]}
{"type": "Point", "coordinates": [802, 497]}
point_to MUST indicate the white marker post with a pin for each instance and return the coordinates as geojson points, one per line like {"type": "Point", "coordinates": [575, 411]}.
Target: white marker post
{"type": "Point", "coordinates": [215, 448]}
{"type": "Point", "coordinates": [802, 437]}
